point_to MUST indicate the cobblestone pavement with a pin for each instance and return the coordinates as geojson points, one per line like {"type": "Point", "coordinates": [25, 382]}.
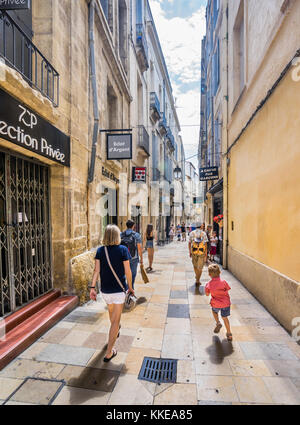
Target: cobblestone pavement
{"type": "Point", "coordinates": [172, 320]}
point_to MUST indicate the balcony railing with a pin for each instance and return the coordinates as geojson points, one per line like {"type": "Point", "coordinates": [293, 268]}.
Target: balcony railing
{"type": "Point", "coordinates": [171, 139]}
{"type": "Point", "coordinates": [143, 139]}
{"type": "Point", "coordinates": [142, 52]}
{"type": "Point", "coordinates": [154, 106]}
{"type": "Point", "coordinates": [18, 51]}
{"type": "Point", "coordinates": [163, 125]}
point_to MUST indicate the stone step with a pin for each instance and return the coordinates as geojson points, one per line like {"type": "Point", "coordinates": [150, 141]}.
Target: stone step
{"type": "Point", "coordinates": [30, 309]}
{"type": "Point", "coordinates": [24, 334]}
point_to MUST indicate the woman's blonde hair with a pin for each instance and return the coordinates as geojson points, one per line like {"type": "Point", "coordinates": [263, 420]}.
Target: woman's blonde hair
{"type": "Point", "coordinates": [214, 270]}
{"type": "Point", "coordinates": [112, 235]}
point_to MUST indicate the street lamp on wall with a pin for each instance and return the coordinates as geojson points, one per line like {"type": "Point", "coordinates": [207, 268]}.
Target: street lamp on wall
{"type": "Point", "coordinates": [177, 173]}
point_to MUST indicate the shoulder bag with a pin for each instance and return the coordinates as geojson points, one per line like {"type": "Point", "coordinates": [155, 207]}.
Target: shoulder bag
{"type": "Point", "coordinates": [129, 299]}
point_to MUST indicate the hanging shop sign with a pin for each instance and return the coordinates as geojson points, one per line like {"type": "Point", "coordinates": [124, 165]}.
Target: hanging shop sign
{"type": "Point", "coordinates": [139, 174]}
{"type": "Point", "coordinates": [23, 127]}
{"type": "Point", "coordinates": [209, 173]}
{"type": "Point", "coordinates": [14, 4]}
{"type": "Point", "coordinates": [119, 146]}
{"type": "Point", "coordinates": [109, 175]}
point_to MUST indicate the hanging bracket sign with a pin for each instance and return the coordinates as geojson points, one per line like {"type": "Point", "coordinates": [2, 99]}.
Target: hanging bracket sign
{"type": "Point", "coordinates": [119, 146]}
{"type": "Point", "coordinates": [23, 127]}
{"type": "Point", "coordinates": [14, 4]}
{"type": "Point", "coordinates": [209, 173]}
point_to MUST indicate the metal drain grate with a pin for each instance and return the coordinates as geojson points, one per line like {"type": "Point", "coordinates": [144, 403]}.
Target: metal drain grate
{"type": "Point", "coordinates": [158, 370]}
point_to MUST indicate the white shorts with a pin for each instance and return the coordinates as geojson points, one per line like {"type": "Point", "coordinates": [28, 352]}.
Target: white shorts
{"type": "Point", "coordinates": [116, 298]}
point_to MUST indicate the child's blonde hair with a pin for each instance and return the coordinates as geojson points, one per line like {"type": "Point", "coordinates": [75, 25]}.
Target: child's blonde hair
{"type": "Point", "coordinates": [214, 270]}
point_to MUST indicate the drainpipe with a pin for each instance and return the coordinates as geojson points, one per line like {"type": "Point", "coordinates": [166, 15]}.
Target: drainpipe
{"type": "Point", "coordinates": [94, 89]}
{"type": "Point", "coordinates": [227, 138]}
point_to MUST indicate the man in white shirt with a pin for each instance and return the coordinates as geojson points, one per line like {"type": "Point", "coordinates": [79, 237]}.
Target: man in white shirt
{"type": "Point", "coordinates": [197, 249]}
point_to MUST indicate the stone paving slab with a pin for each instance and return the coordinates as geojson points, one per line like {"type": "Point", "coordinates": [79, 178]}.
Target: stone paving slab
{"type": "Point", "coordinates": [260, 367]}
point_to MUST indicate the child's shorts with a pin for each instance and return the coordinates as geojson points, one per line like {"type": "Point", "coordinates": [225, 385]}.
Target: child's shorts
{"type": "Point", "coordinates": [225, 312]}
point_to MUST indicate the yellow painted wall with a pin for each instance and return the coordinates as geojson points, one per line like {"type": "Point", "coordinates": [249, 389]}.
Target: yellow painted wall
{"type": "Point", "coordinates": [264, 184]}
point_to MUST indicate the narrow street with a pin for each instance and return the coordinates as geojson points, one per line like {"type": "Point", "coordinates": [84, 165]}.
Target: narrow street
{"type": "Point", "coordinates": [172, 320]}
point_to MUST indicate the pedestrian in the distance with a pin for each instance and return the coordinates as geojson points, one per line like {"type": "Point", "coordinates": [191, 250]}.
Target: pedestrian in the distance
{"type": "Point", "coordinates": [178, 232]}
{"type": "Point", "coordinates": [149, 245]}
{"type": "Point", "coordinates": [183, 232]}
{"type": "Point", "coordinates": [197, 250]}
{"type": "Point", "coordinates": [220, 300]}
{"type": "Point", "coordinates": [213, 246]}
{"type": "Point", "coordinates": [171, 233]}
{"type": "Point", "coordinates": [112, 262]}
{"type": "Point", "coordinates": [208, 234]}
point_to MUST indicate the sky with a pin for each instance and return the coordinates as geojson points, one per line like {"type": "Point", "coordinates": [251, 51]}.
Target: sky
{"type": "Point", "coordinates": [181, 26]}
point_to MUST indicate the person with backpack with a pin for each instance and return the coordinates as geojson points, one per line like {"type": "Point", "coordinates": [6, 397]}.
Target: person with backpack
{"type": "Point", "coordinates": [197, 249]}
{"type": "Point", "coordinates": [133, 241]}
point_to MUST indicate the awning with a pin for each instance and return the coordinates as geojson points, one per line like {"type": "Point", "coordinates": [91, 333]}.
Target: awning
{"type": "Point", "coordinates": [218, 187]}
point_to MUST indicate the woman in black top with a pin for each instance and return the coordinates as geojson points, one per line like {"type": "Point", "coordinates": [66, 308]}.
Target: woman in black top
{"type": "Point", "coordinates": [149, 239]}
{"type": "Point", "coordinates": [114, 256]}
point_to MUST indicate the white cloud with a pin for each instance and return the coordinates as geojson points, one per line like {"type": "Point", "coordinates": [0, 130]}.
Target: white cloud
{"type": "Point", "coordinates": [181, 43]}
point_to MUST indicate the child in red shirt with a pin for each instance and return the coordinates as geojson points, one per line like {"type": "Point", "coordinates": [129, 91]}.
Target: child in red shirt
{"type": "Point", "coordinates": [220, 300]}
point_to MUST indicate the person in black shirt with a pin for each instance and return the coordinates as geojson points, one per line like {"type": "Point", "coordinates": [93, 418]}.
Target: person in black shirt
{"type": "Point", "coordinates": [114, 269]}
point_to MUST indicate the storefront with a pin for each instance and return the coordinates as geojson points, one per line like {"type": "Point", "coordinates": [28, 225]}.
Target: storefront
{"type": "Point", "coordinates": [28, 147]}
{"type": "Point", "coordinates": [217, 203]}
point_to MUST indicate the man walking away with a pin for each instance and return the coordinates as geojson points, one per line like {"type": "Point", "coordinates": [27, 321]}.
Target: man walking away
{"type": "Point", "coordinates": [133, 241]}
{"type": "Point", "coordinates": [183, 232]}
{"type": "Point", "coordinates": [197, 249]}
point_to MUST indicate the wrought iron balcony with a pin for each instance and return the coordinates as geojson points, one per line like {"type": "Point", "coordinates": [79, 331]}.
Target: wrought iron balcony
{"type": "Point", "coordinates": [163, 125]}
{"type": "Point", "coordinates": [143, 139]}
{"type": "Point", "coordinates": [142, 47]}
{"type": "Point", "coordinates": [154, 106]}
{"type": "Point", "coordinates": [18, 51]}
{"type": "Point", "coordinates": [171, 139]}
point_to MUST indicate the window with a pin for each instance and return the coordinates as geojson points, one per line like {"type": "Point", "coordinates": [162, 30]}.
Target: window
{"type": "Point", "coordinates": [104, 4]}
{"type": "Point", "coordinates": [123, 42]}
{"type": "Point", "coordinates": [239, 52]}
{"type": "Point", "coordinates": [108, 12]}
{"type": "Point", "coordinates": [139, 12]}
{"type": "Point", "coordinates": [216, 11]}
{"type": "Point", "coordinates": [216, 68]}
{"type": "Point", "coordinates": [112, 108]}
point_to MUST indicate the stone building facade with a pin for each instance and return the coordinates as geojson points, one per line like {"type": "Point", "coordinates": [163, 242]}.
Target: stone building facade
{"type": "Point", "coordinates": [260, 151]}
{"type": "Point", "coordinates": [71, 87]}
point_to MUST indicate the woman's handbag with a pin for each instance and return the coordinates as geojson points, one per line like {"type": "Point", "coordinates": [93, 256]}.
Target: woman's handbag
{"type": "Point", "coordinates": [144, 274]}
{"type": "Point", "coordinates": [130, 299]}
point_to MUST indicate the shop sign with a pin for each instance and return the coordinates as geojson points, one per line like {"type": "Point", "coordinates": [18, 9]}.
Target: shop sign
{"type": "Point", "coordinates": [23, 127]}
{"type": "Point", "coordinates": [209, 173]}
{"type": "Point", "coordinates": [14, 4]}
{"type": "Point", "coordinates": [139, 174]}
{"type": "Point", "coordinates": [109, 175]}
{"type": "Point", "coordinates": [119, 146]}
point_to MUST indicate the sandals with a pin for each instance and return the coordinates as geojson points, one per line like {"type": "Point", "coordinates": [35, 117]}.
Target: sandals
{"type": "Point", "coordinates": [218, 328]}
{"type": "Point", "coordinates": [114, 353]}
{"type": "Point", "coordinates": [229, 336]}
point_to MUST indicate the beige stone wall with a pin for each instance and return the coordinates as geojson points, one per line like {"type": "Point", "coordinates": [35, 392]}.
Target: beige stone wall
{"type": "Point", "coordinates": [277, 292]}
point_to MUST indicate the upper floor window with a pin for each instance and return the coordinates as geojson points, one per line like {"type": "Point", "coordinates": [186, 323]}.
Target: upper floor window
{"type": "Point", "coordinates": [239, 52]}
{"type": "Point", "coordinates": [107, 7]}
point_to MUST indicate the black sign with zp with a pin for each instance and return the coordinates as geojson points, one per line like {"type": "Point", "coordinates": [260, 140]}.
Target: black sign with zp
{"type": "Point", "coordinates": [23, 127]}
{"type": "Point", "coordinates": [14, 4]}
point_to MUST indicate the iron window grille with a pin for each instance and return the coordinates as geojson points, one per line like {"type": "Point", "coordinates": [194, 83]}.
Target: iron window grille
{"type": "Point", "coordinates": [19, 52]}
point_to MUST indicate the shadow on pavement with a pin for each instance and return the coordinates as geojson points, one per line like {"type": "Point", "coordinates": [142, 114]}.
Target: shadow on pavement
{"type": "Point", "coordinates": [219, 350]}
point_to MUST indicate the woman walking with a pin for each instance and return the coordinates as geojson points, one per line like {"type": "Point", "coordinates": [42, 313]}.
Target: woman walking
{"type": "Point", "coordinates": [149, 239]}
{"type": "Point", "coordinates": [112, 262]}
